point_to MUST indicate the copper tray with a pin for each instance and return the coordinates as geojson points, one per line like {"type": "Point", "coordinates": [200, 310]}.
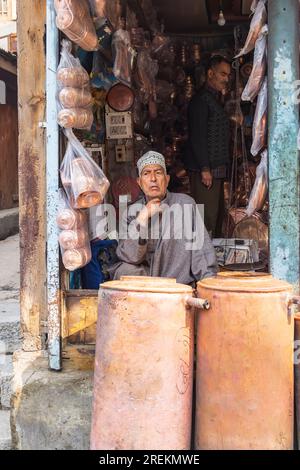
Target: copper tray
{"type": "Point", "coordinates": [120, 97]}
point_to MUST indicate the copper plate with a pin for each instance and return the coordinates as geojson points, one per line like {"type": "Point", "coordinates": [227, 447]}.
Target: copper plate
{"type": "Point", "coordinates": [120, 97]}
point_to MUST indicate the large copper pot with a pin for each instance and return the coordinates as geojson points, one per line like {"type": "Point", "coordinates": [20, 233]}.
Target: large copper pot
{"type": "Point", "coordinates": [70, 239]}
{"type": "Point", "coordinates": [74, 20]}
{"type": "Point", "coordinates": [76, 258]}
{"type": "Point", "coordinates": [78, 118]}
{"type": "Point", "coordinates": [244, 382]}
{"type": "Point", "coordinates": [68, 219]}
{"type": "Point", "coordinates": [88, 190]}
{"type": "Point", "coordinates": [71, 97]}
{"type": "Point", "coordinates": [144, 365]}
{"type": "Point", "coordinates": [72, 77]}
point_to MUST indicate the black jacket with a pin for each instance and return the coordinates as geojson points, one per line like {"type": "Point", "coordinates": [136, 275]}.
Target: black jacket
{"type": "Point", "coordinates": [208, 144]}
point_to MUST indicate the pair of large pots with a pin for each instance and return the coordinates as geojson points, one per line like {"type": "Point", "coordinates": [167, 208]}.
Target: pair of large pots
{"type": "Point", "coordinates": [144, 368]}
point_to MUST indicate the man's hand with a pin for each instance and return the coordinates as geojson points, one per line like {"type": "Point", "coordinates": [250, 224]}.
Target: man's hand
{"type": "Point", "coordinates": [151, 208]}
{"type": "Point", "coordinates": [206, 178]}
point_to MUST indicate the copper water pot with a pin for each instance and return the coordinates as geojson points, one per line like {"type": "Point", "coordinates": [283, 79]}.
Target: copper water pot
{"type": "Point", "coordinates": [144, 365]}
{"type": "Point", "coordinates": [76, 258]}
{"type": "Point", "coordinates": [87, 189]}
{"type": "Point", "coordinates": [71, 97]}
{"type": "Point", "coordinates": [67, 219]}
{"type": "Point", "coordinates": [69, 239]}
{"type": "Point", "coordinates": [244, 377]}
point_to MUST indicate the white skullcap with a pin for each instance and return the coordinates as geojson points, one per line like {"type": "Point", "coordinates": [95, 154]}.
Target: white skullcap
{"type": "Point", "coordinates": [151, 158]}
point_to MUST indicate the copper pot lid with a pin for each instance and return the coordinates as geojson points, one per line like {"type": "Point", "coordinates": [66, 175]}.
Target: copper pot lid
{"type": "Point", "coordinates": [245, 282]}
{"type": "Point", "coordinates": [120, 97]}
{"type": "Point", "coordinates": [147, 284]}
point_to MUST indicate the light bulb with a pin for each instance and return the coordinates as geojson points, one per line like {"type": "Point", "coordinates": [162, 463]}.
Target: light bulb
{"type": "Point", "coordinates": [221, 19]}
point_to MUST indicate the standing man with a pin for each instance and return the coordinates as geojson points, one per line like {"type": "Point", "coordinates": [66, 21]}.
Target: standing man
{"type": "Point", "coordinates": [207, 157]}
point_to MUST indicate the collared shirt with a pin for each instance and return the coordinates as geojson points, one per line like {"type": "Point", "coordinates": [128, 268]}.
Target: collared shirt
{"type": "Point", "coordinates": [217, 94]}
{"type": "Point", "coordinates": [172, 257]}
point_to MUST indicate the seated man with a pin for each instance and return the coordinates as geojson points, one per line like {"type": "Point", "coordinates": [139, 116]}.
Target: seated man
{"type": "Point", "coordinates": [163, 234]}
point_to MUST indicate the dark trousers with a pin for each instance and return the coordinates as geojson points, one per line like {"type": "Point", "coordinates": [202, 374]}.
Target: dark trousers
{"type": "Point", "coordinates": [213, 201]}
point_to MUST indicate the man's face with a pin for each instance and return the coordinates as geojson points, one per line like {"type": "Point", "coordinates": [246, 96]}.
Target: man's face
{"type": "Point", "coordinates": [153, 182]}
{"type": "Point", "coordinates": [219, 76]}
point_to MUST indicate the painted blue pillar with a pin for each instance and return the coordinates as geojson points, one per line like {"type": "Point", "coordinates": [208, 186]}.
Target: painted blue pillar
{"type": "Point", "coordinates": [53, 275]}
{"type": "Point", "coordinates": [283, 71]}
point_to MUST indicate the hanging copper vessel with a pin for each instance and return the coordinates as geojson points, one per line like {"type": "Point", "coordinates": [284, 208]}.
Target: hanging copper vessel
{"type": "Point", "coordinates": [76, 258]}
{"type": "Point", "coordinates": [71, 97]}
{"type": "Point", "coordinates": [120, 97]}
{"type": "Point", "coordinates": [70, 239]}
{"type": "Point", "coordinates": [78, 118]}
{"type": "Point", "coordinates": [67, 219]}
{"type": "Point", "coordinates": [253, 228]}
{"type": "Point", "coordinates": [87, 189]}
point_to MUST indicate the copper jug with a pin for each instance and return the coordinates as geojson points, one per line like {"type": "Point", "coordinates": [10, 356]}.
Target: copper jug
{"type": "Point", "coordinates": [144, 365]}
{"type": "Point", "coordinates": [76, 258]}
{"type": "Point", "coordinates": [86, 187]}
{"type": "Point", "coordinates": [69, 239]}
{"type": "Point", "coordinates": [244, 377]}
{"type": "Point", "coordinates": [67, 219]}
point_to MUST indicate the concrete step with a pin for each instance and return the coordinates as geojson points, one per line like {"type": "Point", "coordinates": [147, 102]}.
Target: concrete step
{"type": "Point", "coordinates": [6, 375]}
{"type": "Point", "coordinates": [10, 335]}
{"type": "Point", "coordinates": [5, 433]}
{"type": "Point", "coordinates": [9, 222]}
{"type": "Point", "coordinates": [10, 265]}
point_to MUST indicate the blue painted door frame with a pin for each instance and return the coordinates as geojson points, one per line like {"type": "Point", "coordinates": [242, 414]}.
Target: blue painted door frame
{"type": "Point", "coordinates": [283, 71]}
